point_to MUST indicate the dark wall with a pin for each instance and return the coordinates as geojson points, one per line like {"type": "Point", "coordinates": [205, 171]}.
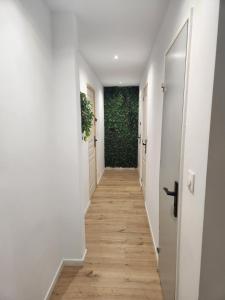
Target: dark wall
{"type": "Point", "coordinates": [121, 126]}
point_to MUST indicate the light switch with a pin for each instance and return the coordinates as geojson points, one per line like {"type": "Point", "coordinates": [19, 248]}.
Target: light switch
{"type": "Point", "coordinates": [191, 181]}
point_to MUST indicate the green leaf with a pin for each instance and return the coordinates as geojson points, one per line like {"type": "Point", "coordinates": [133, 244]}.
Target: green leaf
{"type": "Point", "coordinates": [87, 116]}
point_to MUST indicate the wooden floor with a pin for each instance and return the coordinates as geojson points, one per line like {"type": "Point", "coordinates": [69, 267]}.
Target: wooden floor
{"type": "Point", "coordinates": [120, 263]}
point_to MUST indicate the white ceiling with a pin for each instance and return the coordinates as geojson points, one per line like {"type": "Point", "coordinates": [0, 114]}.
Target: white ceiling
{"type": "Point", "coordinates": [109, 27]}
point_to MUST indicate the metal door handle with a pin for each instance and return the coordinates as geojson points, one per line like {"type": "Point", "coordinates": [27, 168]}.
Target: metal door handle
{"type": "Point", "coordinates": [145, 145]}
{"type": "Point", "coordinates": [169, 193]}
{"type": "Point", "coordinates": [95, 140]}
{"type": "Point", "coordinates": [175, 195]}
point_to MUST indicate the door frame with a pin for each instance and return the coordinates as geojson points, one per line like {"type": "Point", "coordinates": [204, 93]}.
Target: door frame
{"type": "Point", "coordinates": [143, 96]}
{"type": "Point", "coordinates": [90, 87]}
{"type": "Point", "coordinates": [188, 19]}
{"type": "Point", "coordinates": [139, 136]}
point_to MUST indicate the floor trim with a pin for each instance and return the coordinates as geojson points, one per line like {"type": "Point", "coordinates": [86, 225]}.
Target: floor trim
{"type": "Point", "coordinates": [120, 169]}
{"type": "Point", "coordinates": [64, 262]}
{"type": "Point", "coordinates": [54, 281]}
{"type": "Point", "coordinates": [100, 177]}
{"type": "Point", "coordinates": [87, 206]}
{"type": "Point", "coordinates": [74, 261]}
{"type": "Point", "coordinates": [150, 227]}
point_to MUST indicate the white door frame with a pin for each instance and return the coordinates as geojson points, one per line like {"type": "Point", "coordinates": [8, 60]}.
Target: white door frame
{"type": "Point", "coordinates": [189, 20]}
{"type": "Point", "coordinates": [139, 137]}
{"type": "Point", "coordinates": [93, 90]}
{"type": "Point", "coordinates": [144, 97]}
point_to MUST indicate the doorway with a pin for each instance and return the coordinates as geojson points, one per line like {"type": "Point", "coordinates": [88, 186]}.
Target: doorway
{"type": "Point", "coordinates": [92, 145]}
{"type": "Point", "coordinates": [172, 124]}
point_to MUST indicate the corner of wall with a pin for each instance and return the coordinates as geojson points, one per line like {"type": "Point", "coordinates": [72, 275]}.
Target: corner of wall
{"type": "Point", "coordinates": [64, 263]}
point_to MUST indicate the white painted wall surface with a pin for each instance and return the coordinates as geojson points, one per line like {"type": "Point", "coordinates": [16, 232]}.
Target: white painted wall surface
{"type": "Point", "coordinates": [199, 100]}
{"type": "Point", "coordinates": [87, 76]}
{"type": "Point", "coordinates": [213, 263]}
{"type": "Point", "coordinates": [66, 132]}
{"type": "Point", "coordinates": [40, 203]}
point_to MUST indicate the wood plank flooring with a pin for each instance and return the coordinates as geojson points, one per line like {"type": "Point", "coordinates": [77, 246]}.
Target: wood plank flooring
{"type": "Point", "coordinates": [120, 263]}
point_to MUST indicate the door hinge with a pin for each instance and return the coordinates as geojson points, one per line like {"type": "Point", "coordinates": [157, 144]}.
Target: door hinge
{"type": "Point", "coordinates": [95, 141]}
{"type": "Point", "coordinates": [144, 143]}
{"type": "Point", "coordinates": [163, 87]}
{"type": "Point", "coordinates": [158, 250]}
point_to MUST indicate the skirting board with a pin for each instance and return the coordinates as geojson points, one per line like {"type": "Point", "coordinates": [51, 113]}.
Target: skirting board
{"type": "Point", "coordinates": [100, 177]}
{"type": "Point", "coordinates": [155, 246]}
{"type": "Point", "coordinates": [120, 169]}
{"type": "Point", "coordinates": [64, 262]}
{"type": "Point", "coordinates": [89, 202]}
{"type": "Point", "coordinates": [87, 206]}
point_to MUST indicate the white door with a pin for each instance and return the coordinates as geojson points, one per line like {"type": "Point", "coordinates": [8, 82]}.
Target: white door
{"type": "Point", "coordinates": [173, 102]}
{"type": "Point", "coordinates": [144, 136]}
{"type": "Point", "coordinates": [92, 146]}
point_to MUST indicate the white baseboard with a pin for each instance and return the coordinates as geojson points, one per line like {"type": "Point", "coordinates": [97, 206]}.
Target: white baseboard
{"type": "Point", "coordinates": [64, 262]}
{"type": "Point", "coordinates": [54, 281]}
{"type": "Point", "coordinates": [87, 206]}
{"type": "Point", "coordinates": [73, 262]}
{"type": "Point", "coordinates": [154, 243]}
{"type": "Point", "coordinates": [100, 177]}
{"type": "Point", "coordinates": [120, 169]}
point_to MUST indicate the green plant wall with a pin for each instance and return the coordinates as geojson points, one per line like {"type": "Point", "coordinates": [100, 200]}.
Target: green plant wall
{"type": "Point", "coordinates": [121, 126]}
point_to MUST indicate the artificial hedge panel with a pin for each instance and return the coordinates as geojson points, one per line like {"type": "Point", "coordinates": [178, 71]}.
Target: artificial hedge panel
{"type": "Point", "coordinates": [121, 126]}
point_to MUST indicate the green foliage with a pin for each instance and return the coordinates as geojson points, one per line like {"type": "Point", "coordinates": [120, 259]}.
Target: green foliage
{"type": "Point", "coordinates": [121, 126]}
{"type": "Point", "coordinates": [87, 116]}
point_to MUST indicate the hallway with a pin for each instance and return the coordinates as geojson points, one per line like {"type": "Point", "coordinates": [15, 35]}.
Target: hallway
{"type": "Point", "coordinates": [120, 262]}
{"type": "Point", "coordinates": [112, 164]}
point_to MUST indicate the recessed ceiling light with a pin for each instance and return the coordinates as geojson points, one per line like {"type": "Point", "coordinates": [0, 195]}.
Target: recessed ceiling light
{"type": "Point", "coordinates": [116, 57]}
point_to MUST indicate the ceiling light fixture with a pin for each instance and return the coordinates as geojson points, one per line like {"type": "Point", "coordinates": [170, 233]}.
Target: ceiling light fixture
{"type": "Point", "coordinates": [116, 57]}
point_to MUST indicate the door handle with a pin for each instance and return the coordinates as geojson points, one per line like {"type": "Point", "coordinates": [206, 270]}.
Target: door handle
{"type": "Point", "coordinates": [145, 145]}
{"type": "Point", "coordinates": [95, 141]}
{"type": "Point", "coordinates": [175, 195]}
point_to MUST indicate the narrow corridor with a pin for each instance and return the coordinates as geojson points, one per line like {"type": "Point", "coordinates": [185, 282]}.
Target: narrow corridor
{"type": "Point", "coordinates": [120, 262]}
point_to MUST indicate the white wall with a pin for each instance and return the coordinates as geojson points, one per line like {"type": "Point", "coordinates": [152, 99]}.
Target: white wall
{"type": "Point", "coordinates": [66, 132]}
{"type": "Point", "coordinates": [213, 263]}
{"type": "Point", "coordinates": [40, 203]}
{"type": "Point", "coordinates": [199, 100]}
{"type": "Point", "coordinates": [88, 77]}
